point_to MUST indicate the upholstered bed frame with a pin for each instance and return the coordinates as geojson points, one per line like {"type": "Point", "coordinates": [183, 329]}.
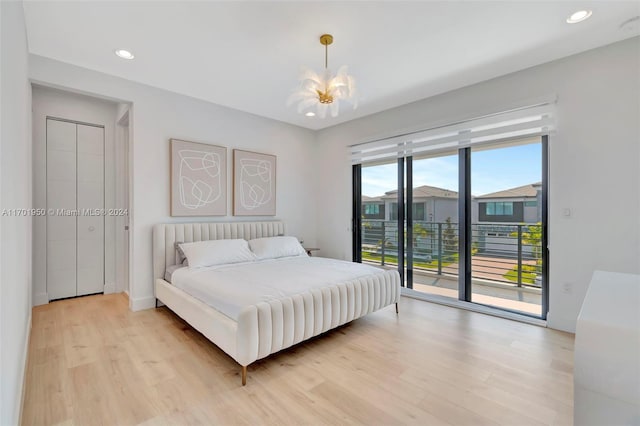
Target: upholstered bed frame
{"type": "Point", "coordinates": [266, 327]}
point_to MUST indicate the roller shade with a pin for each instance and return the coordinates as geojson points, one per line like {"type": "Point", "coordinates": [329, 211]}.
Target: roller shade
{"type": "Point", "coordinates": [518, 123]}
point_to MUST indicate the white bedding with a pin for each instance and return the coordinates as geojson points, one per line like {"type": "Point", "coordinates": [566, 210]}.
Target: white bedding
{"type": "Point", "coordinates": [230, 288]}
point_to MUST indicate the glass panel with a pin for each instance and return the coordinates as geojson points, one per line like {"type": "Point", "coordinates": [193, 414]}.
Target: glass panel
{"type": "Point", "coordinates": [435, 225]}
{"type": "Point", "coordinates": [506, 245]}
{"type": "Point", "coordinates": [393, 209]}
{"type": "Point", "coordinates": [371, 209]}
{"type": "Point", "coordinates": [491, 208]}
{"type": "Point", "coordinates": [508, 209]}
{"type": "Point", "coordinates": [380, 215]}
{"type": "Point", "coordinates": [418, 211]}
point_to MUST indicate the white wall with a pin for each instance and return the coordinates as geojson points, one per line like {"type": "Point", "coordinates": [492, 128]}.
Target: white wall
{"type": "Point", "coordinates": [594, 162]}
{"type": "Point", "coordinates": [15, 232]}
{"type": "Point", "coordinates": [157, 116]}
{"type": "Point", "coordinates": [49, 102]}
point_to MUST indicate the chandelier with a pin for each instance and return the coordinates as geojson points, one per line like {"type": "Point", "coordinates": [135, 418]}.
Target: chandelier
{"type": "Point", "coordinates": [324, 90]}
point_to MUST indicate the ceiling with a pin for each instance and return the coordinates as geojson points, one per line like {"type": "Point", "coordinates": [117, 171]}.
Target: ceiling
{"type": "Point", "coordinates": [247, 55]}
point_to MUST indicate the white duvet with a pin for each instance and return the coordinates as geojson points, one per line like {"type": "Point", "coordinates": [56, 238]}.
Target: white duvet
{"type": "Point", "coordinates": [229, 288]}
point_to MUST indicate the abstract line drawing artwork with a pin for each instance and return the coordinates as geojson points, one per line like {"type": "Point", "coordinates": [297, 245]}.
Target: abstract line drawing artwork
{"type": "Point", "coordinates": [254, 184]}
{"type": "Point", "coordinates": [199, 192]}
{"type": "Point", "coordinates": [198, 179]}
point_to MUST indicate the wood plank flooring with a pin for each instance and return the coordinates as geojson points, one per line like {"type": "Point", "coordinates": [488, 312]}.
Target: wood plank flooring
{"type": "Point", "coordinates": [92, 361]}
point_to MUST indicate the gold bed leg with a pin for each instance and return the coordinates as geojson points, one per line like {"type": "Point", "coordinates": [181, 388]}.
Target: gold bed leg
{"type": "Point", "coordinates": [396, 308]}
{"type": "Point", "coordinates": [244, 375]}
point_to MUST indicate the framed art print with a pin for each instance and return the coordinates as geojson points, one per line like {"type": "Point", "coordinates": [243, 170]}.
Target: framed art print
{"type": "Point", "coordinates": [198, 179]}
{"type": "Point", "coordinates": [254, 184]}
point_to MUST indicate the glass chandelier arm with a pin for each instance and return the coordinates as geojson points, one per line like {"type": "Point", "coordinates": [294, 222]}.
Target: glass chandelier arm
{"type": "Point", "coordinates": [335, 108]}
{"type": "Point", "coordinates": [306, 103]}
{"type": "Point", "coordinates": [309, 74]}
{"type": "Point", "coordinates": [299, 95]}
{"type": "Point", "coordinates": [322, 110]}
{"type": "Point", "coordinates": [310, 86]}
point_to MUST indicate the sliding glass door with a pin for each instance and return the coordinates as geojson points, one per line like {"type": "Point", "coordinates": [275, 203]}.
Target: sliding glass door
{"type": "Point", "coordinates": [468, 224]}
{"type": "Point", "coordinates": [380, 238]}
{"type": "Point", "coordinates": [506, 227]}
{"type": "Point", "coordinates": [432, 249]}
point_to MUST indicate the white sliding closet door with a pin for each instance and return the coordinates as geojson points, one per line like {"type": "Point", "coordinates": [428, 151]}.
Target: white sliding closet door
{"type": "Point", "coordinates": [61, 196]}
{"type": "Point", "coordinates": [75, 191]}
{"type": "Point", "coordinates": [90, 199]}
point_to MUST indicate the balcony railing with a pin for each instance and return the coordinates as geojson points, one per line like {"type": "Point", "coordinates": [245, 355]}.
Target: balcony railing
{"type": "Point", "coordinates": [503, 253]}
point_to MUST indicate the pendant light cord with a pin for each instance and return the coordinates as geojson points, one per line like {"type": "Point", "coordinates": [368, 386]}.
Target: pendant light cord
{"type": "Point", "coordinates": [326, 67]}
{"type": "Point", "coordinates": [326, 56]}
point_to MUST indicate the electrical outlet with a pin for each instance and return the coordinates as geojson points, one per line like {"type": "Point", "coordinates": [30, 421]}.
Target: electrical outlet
{"type": "Point", "coordinates": [567, 288]}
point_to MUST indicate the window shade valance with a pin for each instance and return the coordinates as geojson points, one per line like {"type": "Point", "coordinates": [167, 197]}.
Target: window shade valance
{"type": "Point", "coordinates": [518, 123]}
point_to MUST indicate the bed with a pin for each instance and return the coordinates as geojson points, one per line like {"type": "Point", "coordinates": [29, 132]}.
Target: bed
{"type": "Point", "coordinates": [256, 326]}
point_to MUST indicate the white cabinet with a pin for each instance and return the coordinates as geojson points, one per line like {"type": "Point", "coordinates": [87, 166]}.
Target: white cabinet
{"type": "Point", "coordinates": [75, 204]}
{"type": "Point", "coordinates": [607, 352]}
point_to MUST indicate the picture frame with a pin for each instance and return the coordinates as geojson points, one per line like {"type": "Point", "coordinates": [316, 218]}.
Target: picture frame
{"type": "Point", "coordinates": [254, 183]}
{"type": "Point", "coordinates": [198, 179]}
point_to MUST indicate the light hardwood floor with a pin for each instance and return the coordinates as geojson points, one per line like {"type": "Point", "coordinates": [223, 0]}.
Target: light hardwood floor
{"type": "Point", "coordinates": [92, 361]}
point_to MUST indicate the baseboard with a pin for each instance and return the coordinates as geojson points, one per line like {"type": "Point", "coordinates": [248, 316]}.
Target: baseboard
{"type": "Point", "coordinates": [109, 288]}
{"type": "Point", "coordinates": [25, 356]}
{"type": "Point", "coordinates": [558, 322]}
{"type": "Point", "coordinates": [441, 300]}
{"type": "Point", "coordinates": [138, 304]}
{"type": "Point", "coordinates": [40, 299]}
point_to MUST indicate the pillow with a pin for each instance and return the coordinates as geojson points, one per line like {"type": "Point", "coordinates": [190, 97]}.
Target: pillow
{"type": "Point", "coordinates": [168, 274]}
{"type": "Point", "coordinates": [217, 252]}
{"type": "Point", "coordinates": [181, 256]}
{"type": "Point", "coordinates": [275, 247]}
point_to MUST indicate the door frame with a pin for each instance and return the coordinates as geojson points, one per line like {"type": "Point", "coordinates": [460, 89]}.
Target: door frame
{"type": "Point", "coordinates": [124, 200]}
{"type": "Point", "coordinates": [464, 224]}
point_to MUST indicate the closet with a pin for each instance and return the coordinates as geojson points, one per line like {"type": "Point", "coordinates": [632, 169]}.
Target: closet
{"type": "Point", "coordinates": [75, 208]}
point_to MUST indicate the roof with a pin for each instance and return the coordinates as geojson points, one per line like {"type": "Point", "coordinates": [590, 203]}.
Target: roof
{"type": "Point", "coordinates": [367, 199]}
{"type": "Point", "coordinates": [520, 191]}
{"type": "Point", "coordinates": [425, 191]}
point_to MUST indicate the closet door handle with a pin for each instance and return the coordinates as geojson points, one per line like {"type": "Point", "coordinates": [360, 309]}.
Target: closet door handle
{"type": "Point", "coordinates": [91, 229]}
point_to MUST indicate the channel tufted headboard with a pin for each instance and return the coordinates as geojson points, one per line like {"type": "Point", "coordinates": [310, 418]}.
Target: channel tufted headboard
{"type": "Point", "coordinates": [165, 235]}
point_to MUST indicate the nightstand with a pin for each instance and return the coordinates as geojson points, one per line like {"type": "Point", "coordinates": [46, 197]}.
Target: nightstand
{"type": "Point", "coordinates": [311, 249]}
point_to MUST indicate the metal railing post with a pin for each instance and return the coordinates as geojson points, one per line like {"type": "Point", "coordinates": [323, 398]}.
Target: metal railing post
{"type": "Point", "coordinates": [519, 255]}
{"type": "Point", "coordinates": [439, 248]}
{"type": "Point", "coordinates": [383, 242]}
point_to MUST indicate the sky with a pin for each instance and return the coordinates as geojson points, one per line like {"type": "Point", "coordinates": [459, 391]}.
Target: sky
{"type": "Point", "coordinates": [491, 170]}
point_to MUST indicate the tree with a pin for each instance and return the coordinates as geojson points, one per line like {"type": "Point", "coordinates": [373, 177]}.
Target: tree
{"type": "Point", "coordinates": [532, 236]}
{"type": "Point", "coordinates": [419, 231]}
{"type": "Point", "coordinates": [449, 238]}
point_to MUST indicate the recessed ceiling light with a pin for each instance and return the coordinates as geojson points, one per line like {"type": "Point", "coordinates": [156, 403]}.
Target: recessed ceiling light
{"type": "Point", "coordinates": [579, 16]}
{"type": "Point", "coordinates": [310, 114]}
{"type": "Point", "coordinates": [124, 54]}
